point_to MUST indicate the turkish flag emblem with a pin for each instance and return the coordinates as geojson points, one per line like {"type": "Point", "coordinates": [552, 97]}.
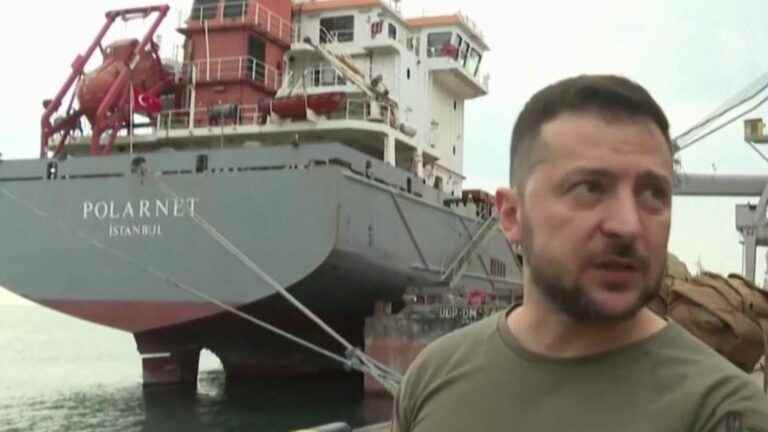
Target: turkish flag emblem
{"type": "Point", "coordinates": [146, 103]}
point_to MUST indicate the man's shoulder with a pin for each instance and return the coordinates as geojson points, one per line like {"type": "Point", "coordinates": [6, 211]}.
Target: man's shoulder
{"type": "Point", "coordinates": [722, 387]}
{"type": "Point", "coordinates": [682, 346]}
{"type": "Point", "coordinates": [683, 352]}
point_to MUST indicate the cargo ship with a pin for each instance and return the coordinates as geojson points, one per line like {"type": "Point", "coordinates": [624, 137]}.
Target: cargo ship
{"type": "Point", "coordinates": [316, 146]}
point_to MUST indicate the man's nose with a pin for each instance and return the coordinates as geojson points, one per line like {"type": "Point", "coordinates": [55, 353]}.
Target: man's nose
{"type": "Point", "coordinates": [622, 216]}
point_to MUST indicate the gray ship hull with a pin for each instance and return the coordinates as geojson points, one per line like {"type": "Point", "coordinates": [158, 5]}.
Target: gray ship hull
{"type": "Point", "coordinates": [137, 242]}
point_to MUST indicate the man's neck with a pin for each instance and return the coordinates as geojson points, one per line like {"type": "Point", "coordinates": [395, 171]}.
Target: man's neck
{"type": "Point", "coordinates": [552, 334]}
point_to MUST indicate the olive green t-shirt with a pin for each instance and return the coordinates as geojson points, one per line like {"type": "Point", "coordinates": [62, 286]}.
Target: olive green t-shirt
{"type": "Point", "coordinates": [480, 378]}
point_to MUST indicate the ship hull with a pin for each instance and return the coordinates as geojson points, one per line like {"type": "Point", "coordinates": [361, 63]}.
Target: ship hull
{"type": "Point", "coordinates": [148, 243]}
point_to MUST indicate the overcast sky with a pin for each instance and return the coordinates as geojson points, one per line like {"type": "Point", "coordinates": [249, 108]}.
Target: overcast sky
{"type": "Point", "coordinates": [690, 54]}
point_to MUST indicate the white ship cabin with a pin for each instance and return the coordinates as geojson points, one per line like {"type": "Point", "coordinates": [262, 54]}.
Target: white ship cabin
{"type": "Point", "coordinates": [250, 77]}
{"type": "Point", "coordinates": [430, 65]}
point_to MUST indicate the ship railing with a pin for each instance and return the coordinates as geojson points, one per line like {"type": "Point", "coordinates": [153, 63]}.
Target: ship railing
{"type": "Point", "coordinates": [323, 76]}
{"type": "Point", "coordinates": [248, 12]}
{"type": "Point", "coordinates": [210, 117]}
{"type": "Point", "coordinates": [234, 115]}
{"type": "Point", "coordinates": [336, 36]}
{"type": "Point", "coordinates": [232, 68]}
{"type": "Point", "coordinates": [360, 109]}
{"type": "Point", "coordinates": [463, 18]}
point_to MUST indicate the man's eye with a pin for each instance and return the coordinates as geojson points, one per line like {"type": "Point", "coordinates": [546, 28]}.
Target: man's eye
{"type": "Point", "coordinates": [588, 187]}
{"type": "Point", "coordinates": [656, 197]}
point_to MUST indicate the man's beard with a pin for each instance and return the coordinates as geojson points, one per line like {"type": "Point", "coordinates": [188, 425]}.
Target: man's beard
{"type": "Point", "coordinates": [569, 296]}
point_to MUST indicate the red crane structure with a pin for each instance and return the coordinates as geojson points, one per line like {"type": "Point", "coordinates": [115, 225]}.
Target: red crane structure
{"type": "Point", "coordinates": [130, 80]}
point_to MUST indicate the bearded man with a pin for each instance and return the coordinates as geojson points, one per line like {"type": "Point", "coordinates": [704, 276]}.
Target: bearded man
{"type": "Point", "coordinates": [590, 203]}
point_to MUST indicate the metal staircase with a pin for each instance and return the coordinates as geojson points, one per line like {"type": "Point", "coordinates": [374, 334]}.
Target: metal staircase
{"type": "Point", "coordinates": [459, 264]}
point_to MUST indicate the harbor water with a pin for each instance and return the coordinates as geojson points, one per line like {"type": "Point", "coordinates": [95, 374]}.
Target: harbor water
{"type": "Point", "coordinates": [58, 373]}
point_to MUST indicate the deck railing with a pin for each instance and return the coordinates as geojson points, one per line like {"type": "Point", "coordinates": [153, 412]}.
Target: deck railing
{"type": "Point", "coordinates": [248, 12]}
{"type": "Point", "coordinates": [323, 76]}
{"type": "Point", "coordinates": [232, 68]}
{"type": "Point", "coordinates": [254, 115]}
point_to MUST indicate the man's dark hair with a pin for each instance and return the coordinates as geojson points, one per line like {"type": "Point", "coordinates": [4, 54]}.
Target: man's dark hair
{"type": "Point", "coordinates": [607, 95]}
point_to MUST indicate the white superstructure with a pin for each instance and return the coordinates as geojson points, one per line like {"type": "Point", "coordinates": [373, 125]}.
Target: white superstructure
{"type": "Point", "coordinates": [431, 66]}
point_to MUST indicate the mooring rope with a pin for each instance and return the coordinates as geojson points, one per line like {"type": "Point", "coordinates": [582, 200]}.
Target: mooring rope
{"type": "Point", "coordinates": [358, 360]}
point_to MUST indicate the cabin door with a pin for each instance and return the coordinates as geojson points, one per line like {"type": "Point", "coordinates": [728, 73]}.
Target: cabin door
{"type": "Point", "coordinates": [256, 58]}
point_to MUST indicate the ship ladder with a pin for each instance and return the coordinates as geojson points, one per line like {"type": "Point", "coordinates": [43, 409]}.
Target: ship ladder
{"type": "Point", "coordinates": [458, 266]}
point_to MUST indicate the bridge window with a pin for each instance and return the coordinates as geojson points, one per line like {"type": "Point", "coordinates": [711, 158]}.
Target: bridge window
{"type": "Point", "coordinates": [340, 28]}
{"type": "Point", "coordinates": [439, 44]}
{"type": "Point", "coordinates": [463, 52]}
{"type": "Point", "coordinates": [460, 42]}
{"type": "Point", "coordinates": [473, 63]}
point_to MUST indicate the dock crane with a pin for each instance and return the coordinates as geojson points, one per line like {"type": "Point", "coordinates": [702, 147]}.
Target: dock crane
{"type": "Point", "coordinates": [751, 220]}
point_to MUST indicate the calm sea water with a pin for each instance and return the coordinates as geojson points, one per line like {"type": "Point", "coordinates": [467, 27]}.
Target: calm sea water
{"type": "Point", "coordinates": [58, 373]}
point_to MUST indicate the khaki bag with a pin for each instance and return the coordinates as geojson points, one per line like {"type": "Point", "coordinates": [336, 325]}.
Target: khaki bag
{"type": "Point", "coordinates": [730, 314]}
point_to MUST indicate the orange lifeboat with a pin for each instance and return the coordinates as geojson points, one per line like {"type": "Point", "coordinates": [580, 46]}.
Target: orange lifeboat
{"type": "Point", "coordinates": [295, 107]}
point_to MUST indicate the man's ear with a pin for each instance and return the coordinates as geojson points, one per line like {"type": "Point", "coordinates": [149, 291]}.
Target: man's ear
{"type": "Point", "coordinates": [509, 211]}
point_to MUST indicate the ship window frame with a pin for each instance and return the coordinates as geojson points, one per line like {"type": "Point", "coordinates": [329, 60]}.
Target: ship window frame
{"type": "Point", "coordinates": [463, 53]}
{"type": "Point", "coordinates": [460, 42]}
{"type": "Point", "coordinates": [436, 50]}
{"type": "Point", "coordinates": [479, 57]}
{"type": "Point", "coordinates": [256, 68]}
{"type": "Point", "coordinates": [240, 6]}
{"type": "Point", "coordinates": [339, 25]}
{"type": "Point", "coordinates": [392, 31]}
{"type": "Point", "coordinates": [210, 7]}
